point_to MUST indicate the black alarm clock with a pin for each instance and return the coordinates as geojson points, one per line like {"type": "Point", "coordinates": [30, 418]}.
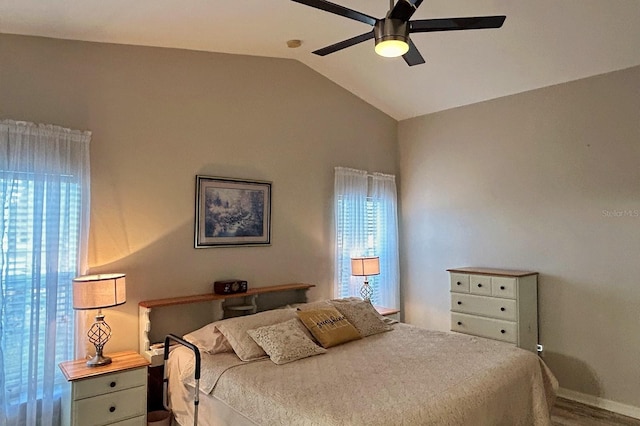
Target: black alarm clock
{"type": "Point", "coordinates": [230, 287]}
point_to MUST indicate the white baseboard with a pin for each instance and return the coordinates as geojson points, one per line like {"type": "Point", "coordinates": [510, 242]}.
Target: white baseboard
{"type": "Point", "coordinates": [605, 404]}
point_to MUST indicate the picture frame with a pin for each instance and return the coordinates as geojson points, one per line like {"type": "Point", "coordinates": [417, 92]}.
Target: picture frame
{"type": "Point", "coordinates": [232, 212]}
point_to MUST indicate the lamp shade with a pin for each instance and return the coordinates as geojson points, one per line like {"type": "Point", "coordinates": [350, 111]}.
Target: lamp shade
{"type": "Point", "coordinates": [364, 266]}
{"type": "Point", "coordinates": [99, 291]}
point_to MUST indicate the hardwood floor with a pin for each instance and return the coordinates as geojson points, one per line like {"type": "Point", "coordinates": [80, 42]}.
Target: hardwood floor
{"type": "Point", "coordinates": [570, 413]}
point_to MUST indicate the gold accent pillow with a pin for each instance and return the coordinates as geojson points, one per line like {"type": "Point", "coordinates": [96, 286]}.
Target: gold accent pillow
{"type": "Point", "coordinates": [328, 326]}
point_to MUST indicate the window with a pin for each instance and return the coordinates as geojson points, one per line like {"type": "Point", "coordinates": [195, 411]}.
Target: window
{"type": "Point", "coordinates": [366, 225]}
{"type": "Point", "coordinates": [43, 218]}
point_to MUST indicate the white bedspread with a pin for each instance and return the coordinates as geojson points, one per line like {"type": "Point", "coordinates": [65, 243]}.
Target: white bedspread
{"type": "Point", "coordinates": [408, 376]}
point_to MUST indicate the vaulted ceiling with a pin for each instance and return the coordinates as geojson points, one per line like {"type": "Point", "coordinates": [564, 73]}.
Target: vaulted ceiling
{"type": "Point", "coordinates": [542, 42]}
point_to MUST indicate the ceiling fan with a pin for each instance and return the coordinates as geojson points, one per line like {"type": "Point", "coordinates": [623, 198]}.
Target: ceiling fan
{"type": "Point", "coordinates": [391, 33]}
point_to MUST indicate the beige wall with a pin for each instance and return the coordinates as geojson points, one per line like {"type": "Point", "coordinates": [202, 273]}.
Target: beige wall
{"type": "Point", "coordinates": [161, 116]}
{"type": "Point", "coordinates": [535, 181]}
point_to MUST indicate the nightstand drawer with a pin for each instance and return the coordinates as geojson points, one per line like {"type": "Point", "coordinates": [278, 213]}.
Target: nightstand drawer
{"type": "Point", "coordinates": [109, 383]}
{"type": "Point", "coordinates": [460, 283]}
{"type": "Point", "coordinates": [485, 327]}
{"type": "Point", "coordinates": [110, 408]}
{"type": "Point", "coordinates": [136, 421]}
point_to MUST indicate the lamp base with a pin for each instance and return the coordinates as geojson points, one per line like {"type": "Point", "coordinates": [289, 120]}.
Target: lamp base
{"type": "Point", "coordinates": [99, 360]}
{"type": "Point", "coordinates": [366, 291]}
{"type": "Point", "coordinates": [99, 335]}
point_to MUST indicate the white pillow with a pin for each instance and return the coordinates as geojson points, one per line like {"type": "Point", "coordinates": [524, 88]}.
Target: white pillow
{"type": "Point", "coordinates": [321, 304]}
{"type": "Point", "coordinates": [285, 342]}
{"type": "Point", "coordinates": [209, 339]}
{"type": "Point", "coordinates": [362, 315]}
{"type": "Point", "coordinates": [235, 330]}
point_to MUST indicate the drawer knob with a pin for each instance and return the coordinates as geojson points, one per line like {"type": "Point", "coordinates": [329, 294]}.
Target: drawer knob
{"type": "Point", "coordinates": [112, 409]}
{"type": "Point", "coordinates": [479, 285]}
{"type": "Point", "coordinates": [502, 309]}
{"type": "Point", "coordinates": [459, 322]}
{"type": "Point", "coordinates": [502, 331]}
{"type": "Point", "coordinates": [459, 302]}
{"type": "Point", "coordinates": [501, 287]}
{"type": "Point", "coordinates": [458, 283]}
{"type": "Point", "coordinates": [112, 384]}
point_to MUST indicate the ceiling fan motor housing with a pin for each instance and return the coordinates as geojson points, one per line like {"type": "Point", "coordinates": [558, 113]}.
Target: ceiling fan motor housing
{"type": "Point", "coordinates": [391, 29]}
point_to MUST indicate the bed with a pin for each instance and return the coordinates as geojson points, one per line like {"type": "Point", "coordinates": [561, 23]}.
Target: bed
{"type": "Point", "coordinates": [403, 376]}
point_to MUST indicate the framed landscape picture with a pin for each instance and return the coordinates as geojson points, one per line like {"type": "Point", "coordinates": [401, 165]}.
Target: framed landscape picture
{"type": "Point", "coordinates": [232, 212]}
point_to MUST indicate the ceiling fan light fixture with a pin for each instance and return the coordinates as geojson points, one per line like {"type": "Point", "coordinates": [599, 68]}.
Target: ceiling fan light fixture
{"type": "Point", "coordinates": [392, 37]}
{"type": "Point", "coordinates": [392, 48]}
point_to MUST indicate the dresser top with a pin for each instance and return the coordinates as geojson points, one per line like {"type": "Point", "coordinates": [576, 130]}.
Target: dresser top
{"type": "Point", "coordinates": [491, 271]}
{"type": "Point", "coordinates": [78, 369]}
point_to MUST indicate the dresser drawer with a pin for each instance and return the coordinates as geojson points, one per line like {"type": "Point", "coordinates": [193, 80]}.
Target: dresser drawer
{"type": "Point", "coordinates": [482, 305]}
{"type": "Point", "coordinates": [460, 283]}
{"type": "Point", "coordinates": [110, 408]}
{"type": "Point", "coordinates": [109, 383]}
{"type": "Point", "coordinates": [480, 284]}
{"type": "Point", "coordinates": [504, 287]}
{"type": "Point", "coordinates": [484, 327]}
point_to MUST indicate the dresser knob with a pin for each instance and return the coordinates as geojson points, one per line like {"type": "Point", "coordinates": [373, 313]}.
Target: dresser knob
{"type": "Point", "coordinates": [479, 285]}
{"type": "Point", "coordinates": [112, 409]}
{"type": "Point", "coordinates": [458, 283]}
{"type": "Point", "coordinates": [459, 302]}
{"type": "Point", "coordinates": [501, 287]}
{"type": "Point", "coordinates": [112, 384]}
{"type": "Point", "coordinates": [502, 331]}
{"type": "Point", "coordinates": [459, 322]}
{"type": "Point", "coordinates": [502, 309]}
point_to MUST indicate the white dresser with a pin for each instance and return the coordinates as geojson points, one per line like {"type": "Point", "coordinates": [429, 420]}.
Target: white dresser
{"type": "Point", "coordinates": [496, 303]}
{"type": "Point", "coordinates": [114, 394]}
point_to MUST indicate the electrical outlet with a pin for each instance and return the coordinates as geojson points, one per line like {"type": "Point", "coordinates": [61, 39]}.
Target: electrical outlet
{"type": "Point", "coordinates": [540, 349]}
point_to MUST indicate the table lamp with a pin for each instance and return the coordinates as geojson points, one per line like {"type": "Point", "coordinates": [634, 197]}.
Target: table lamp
{"type": "Point", "coordinates": [363, 267]}
{"type": "Point", "coordinates": [97, 292]}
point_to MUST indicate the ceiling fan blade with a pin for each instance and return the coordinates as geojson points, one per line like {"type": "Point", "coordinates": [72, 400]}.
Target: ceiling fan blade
{"type": "Point", "coordinates": [339, 10]}
{"type": "Point", "coordinates": [413, 56]}
{"type": "Point", "coordinates": [344, 44]}
{"type": "Point", "coordinates": [404, 9]}
{"type": "Point", "coordinates": [453, 24]}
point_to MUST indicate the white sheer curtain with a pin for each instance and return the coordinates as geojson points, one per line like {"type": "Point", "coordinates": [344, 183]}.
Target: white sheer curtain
{"type": "Point", "coordinates": [44, 176]}
{"type": "Point", "coordinates": [350, 200]}
{"type": "Point", "coordinates": [384, 196]}
{"type": "Point", "coordinates": [366, 223]}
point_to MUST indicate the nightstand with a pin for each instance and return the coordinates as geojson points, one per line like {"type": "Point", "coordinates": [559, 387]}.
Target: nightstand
{"type": "Point", "coordinates": [389, 312]}
{"type": "Point", "coordinates": [114, 394]}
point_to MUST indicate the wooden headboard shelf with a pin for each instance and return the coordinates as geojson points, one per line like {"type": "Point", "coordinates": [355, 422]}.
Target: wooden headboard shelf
{"type": "Point", "coordinates": [171, 301]}
{"type": "Point", "coordinates": [170, 315]}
